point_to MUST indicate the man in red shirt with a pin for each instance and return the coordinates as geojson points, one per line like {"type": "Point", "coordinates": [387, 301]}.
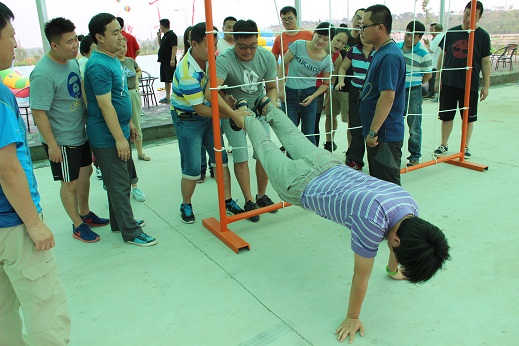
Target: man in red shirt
{"type": "Point", "coordinates": [133, 46]}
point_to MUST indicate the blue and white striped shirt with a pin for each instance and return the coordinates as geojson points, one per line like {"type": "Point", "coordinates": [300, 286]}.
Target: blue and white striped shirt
{"type": "Point", "coordinates": [418, 62]}
{"type": "Point", "coordinates": [366, 205]}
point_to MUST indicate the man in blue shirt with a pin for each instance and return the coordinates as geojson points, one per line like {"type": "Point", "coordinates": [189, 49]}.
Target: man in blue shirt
{"type": "Point", "coordinates": [109, 111]}
{"type": "Point", "coordinates": [27, 264]}
{"type": "Point", "coordinates": [382, 98]}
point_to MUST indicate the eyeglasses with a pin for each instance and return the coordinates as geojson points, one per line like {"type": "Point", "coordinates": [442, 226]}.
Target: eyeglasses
{"type": "Point", "coordinates": [363, 27]}
{"type": "Point", "coordinates": [245, 47]}
{"type": "Point", "coordinates": [357, 17]}
{"type": "Point", "coordinates": [287, 19]}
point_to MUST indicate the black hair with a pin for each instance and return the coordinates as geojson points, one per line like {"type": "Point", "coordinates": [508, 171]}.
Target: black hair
{"type": "Point", "coordinates": [56, 27]}
{"type": "Point", "coordinates": [479, 6]}
{"type": "Point", "coordinates": [187, 43]}
{"type": "Point", "coordinates": [423, 249]}
{"type": "Point", "coordinates": [245, 26]}
{"type": "Point", "coordinates": [164, 23]}
{"type": "Point", "coordinates": [288, 9]}
{"type": "Point", "coordinates": [432, 24]}
{"type": "Point", "coordinates": [121, 21]}
{"type": "Point", "coordinates": [86, 43]}
{"type": "Point", "coordinates": [343, 25]}
{"type": "Point", "coordinates": [438, 27]}
{"type": "Point", "coordinates": [360, 9]}
{"type": "Point", "coordinates": [380, 14]}
{"type": "Point", "coordinates": [198, 32]}
{"type": "Point", "coordinates": [6, 16]}
{"type": "Point", "coordinates": [325, 29]}
{"type": "Point", "coordinates": [416, 27]}
{"type": "Point", "coordinates": [229, 18]}
{"type": "Point", "coordinates": [98, 23]}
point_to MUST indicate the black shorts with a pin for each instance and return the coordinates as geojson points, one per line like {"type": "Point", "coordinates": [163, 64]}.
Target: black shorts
{"type": "Point", "coordinates": [451, 98]}
{"type": "Point", "coordinates": [166, 72]}
{"type": "Point", "coordinates": [73, 159]}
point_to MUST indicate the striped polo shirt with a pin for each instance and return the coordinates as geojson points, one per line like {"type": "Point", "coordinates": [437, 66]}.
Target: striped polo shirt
{"type": "Point", "coordinates": [418, 61]}
{"type": "Point", "coordinates": [187, 88]}
{"type": "Point", "coordinates": [360, 65]}
{"type": "Point", "coordinates": [366, 205]}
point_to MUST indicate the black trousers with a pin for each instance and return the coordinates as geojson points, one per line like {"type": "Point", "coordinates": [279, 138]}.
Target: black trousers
{"type": "Point", "coordinates": [358, 146]}
{"type": "Point", "coordinates": [384, 161]}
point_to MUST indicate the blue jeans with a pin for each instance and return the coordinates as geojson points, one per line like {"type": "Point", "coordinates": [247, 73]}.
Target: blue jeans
{"type": "Point", "coordinates": [294, 109]}
{"type": "Point", "coordinates": [413, 103]}
{"type": "Point", "coordinates": [192, 133]}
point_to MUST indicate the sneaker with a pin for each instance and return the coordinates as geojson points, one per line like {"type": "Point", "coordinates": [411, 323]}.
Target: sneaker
{"type": "Point", "coordinates": [140, 223]}
{"type": "Point", "coordinates": [186, 212]}
{"type": "Point", "coordinates": [441, 150]}
{"type": "Point", "coordinates": [99, 175]}
{"type": "Point", "coordinates": [412, 162]}
{"type": "Point", "coordinates": [250, 205]}
{"type": "Point", "coordinates": [164, 101]}
{"type": "Point", "coordinates": [330, 146]}
{"type": "Point", "coordinates": [211, 172]}
{"type": "Point", "coordinates": [233, 208]}
{"type": "Point", "coordinates": [138, 194]}
{"type": "Point", "coordinates": [142, 240]}
{"type": "Point", "coordinates": [85, 234]}
{"type": "Point", "coordinates": [355, 165]}
{"type": "Point", "coordinates": [264, 201]}
{"type": "Point", "coordinates": [91, 219]}
{"type": "Point", "coordinates": [468, 155]}
{"type": "Point", "coordinates": [201, 179]}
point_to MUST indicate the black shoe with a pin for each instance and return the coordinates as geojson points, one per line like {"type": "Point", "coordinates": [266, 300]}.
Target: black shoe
{"type": "Point", "coordinates": [186, 212]}
{"type": "Point", "coordinates": [330, 146]}
{"type": "Point", "coordinates": [265, 201]}
{"type": "Point", "coordinates": [259, 105]}
{"type": "Point", "coordinates": [250, 205]}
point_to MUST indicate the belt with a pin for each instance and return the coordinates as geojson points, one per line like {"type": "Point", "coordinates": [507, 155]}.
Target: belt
{"type": "Point", "coordinates": [413, 87]}
{"type": "Point", "coordinates": [186, 115]}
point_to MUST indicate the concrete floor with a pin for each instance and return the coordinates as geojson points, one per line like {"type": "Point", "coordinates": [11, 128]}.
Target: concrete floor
{"type": "Point", "coordinates": [292, 287]}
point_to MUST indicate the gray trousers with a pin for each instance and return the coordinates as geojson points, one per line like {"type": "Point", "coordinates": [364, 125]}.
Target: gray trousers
{"type": "Point", "coordinates": [288, 176]}
{"type": "Point", "coordinates": [116, 177]}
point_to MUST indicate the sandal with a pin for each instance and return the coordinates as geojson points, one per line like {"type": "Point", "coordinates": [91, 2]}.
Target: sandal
{"type": "Point", "coordinates": [259, 105]}
{"type": "Point", "coordinates": [144, 157]}
{"type": "Point", "coordinates": [240, 103]}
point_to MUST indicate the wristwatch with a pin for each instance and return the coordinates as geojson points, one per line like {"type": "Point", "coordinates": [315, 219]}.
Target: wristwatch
{"type": "Point", "coordinates": [372, 134]}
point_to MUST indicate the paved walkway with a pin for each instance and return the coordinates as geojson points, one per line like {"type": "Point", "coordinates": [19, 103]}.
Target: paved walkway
{"type": "Point", "coordinates": [292, 287]}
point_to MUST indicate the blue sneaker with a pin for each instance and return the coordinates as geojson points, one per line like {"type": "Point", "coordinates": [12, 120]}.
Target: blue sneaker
{"type": "Point", "coordinates": [93, 220]}
{"type": "Point", "coordinates": [143, 240]}
{"type": "Point", "coordinates": [141, 223]}
{"type": "Point", "coordinates": [186, 212]}
{"type": "Point", "coordinates": [233, 208]}
{"type": "Point", "coordinates": [85, 234]}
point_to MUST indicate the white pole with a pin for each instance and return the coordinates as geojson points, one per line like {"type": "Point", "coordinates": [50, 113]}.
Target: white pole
{"type": "Point", "coordinates": [42, 17]}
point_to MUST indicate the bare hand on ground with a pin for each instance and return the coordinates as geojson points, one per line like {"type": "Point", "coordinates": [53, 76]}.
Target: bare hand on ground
{"type": "Point", "coordinates": [349, 327]}
{"type": "Point", "coordinates": [42, 237]}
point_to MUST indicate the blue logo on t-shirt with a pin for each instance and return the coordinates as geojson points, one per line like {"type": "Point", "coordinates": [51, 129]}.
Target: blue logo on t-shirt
{"type": "Point", "coordinates": [74, 85]}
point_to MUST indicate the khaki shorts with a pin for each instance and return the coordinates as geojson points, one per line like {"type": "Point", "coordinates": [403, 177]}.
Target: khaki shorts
{"type": "Point", "coordinates": [340, 104]}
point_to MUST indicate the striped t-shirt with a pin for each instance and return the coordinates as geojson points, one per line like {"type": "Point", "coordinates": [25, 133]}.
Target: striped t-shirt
{"type": "Point", "coordinates": [418, 62]}
{"type": "Point", "coordinates": [187, 88]}
{"type": "Point", "coordinates": [359, 64]}
{"type": "Point", "coordinates": [366, 205]}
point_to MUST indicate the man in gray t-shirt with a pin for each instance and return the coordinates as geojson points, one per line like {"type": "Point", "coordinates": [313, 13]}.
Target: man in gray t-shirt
{"type": "Point", "coordinates": [249, 71]}
{"type": "Point", "coordinates": [59, 113]}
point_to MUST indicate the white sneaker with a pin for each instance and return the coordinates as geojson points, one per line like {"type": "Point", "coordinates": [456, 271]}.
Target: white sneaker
{"type": "Point", "coordinates": [138, 194]}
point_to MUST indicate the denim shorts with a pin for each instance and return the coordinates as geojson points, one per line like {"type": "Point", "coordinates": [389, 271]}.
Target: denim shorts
{"type": "Point", "coordinates": [193, 131]}
{"type": "Point", "coordinates": [238, 141]}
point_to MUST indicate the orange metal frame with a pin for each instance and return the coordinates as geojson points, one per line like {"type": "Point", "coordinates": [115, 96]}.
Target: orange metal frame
{"type": "Point", "coordinates": [219, 228]}
{"type": "Point", "coordinates": [458, 159]}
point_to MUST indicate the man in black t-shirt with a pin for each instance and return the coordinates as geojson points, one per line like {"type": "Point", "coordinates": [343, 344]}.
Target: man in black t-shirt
{"type": "Point", "coordinates": [453, 55]}
{"type": "Point", "coordinates": [167, 56]}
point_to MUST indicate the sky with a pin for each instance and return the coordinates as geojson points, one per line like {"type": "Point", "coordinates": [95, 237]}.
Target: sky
{"type": "Point", "coordinates": [142, 17]}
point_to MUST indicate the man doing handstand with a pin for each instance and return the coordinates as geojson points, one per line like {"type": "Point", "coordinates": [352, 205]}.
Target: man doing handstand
{"type": "Point", "coordinates": [373, 209]}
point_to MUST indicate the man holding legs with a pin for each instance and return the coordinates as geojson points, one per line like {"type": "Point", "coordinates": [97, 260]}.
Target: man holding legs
{"type": "Point", "coordinates": [418, 64]}
{"type": "Point", "coordinates": [382, 97]}
{"type": "Point", "coordinates": [453, 57]}
{"type": "Point", "coordinates": [59, 113]}
{"type": "Point", "coordinates": [108, 125]}
{"type": "Point", "coordinates": [28, 274]}
{"type": "Point", "coordinates": [372, 209]}
{"type": "Point", "coordinates": [191, 115]}
{"type": "Point", "coordinates": [244, 69]}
